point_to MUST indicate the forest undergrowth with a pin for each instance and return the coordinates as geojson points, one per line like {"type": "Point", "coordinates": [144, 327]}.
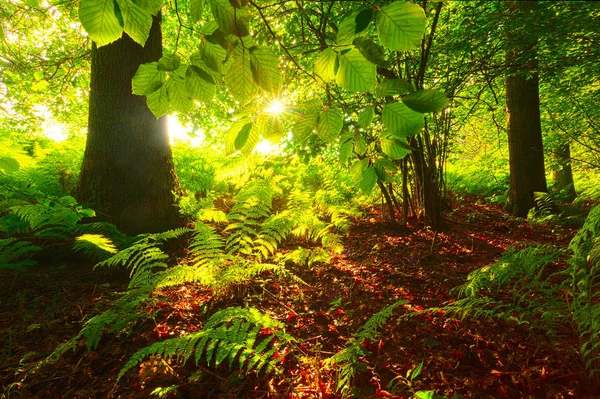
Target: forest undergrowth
{"type": "Point", "coordinates": [410, 351]}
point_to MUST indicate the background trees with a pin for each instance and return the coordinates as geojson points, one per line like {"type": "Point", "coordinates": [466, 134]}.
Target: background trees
{"type": "Point", "coordinates": [338, 68]}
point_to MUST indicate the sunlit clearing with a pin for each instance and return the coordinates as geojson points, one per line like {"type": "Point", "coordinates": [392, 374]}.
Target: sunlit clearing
{"type": "Point", "coordinates": [55, 131]}
{"type": "Point", "coordinates": [265, 147]}
{"type": "Point", "coordinates": [180, 133]}
{"type": "Point", "coordinates": [276, 107]}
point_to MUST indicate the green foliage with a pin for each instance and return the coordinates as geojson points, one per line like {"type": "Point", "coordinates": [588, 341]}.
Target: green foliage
{"type": "Point", "coordinates": [94, 246]}
{"type": "Point", "coordinates": [16, 254]}
{"type": "Point", "coordinates": [348, 361]}
{"type": "Point", "coordinates": [144, 257]}
{"type": "Point", "coordinates": [237, 334]}
{"type": "Point", "coordinates": [585, 287]}
{"type": "Point", "coordinates": [518, 288]}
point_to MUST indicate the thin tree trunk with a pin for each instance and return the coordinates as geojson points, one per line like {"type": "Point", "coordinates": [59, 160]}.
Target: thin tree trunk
{"type": "Point", "coordinates": [388, 201]}
{"type": "Point", "coordinates": [127, 173]}
{"type": "Point", "coordinates": [563, 176]}
{"type": "Point", "coordinates": [525, 148]}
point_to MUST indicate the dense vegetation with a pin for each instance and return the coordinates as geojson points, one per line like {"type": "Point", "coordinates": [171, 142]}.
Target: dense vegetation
{"type": "Point", "coordinates": [357, 198]}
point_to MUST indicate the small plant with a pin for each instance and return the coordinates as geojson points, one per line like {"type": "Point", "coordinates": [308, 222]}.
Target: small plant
{"type": "Point", "coordinates": [245, 336]}
{"type": "Point", "coordinates": [348, 361]}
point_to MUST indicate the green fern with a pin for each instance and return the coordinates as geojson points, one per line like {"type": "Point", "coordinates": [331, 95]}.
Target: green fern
{"type": "Point", "coordinates": [16, 254]}
{"type": "Point", "coordinates": [585, 283]}
{"type": "Point", "coordinates": [94, 246]}
{"type": "Point", "coordinates": [237, 334]}
{"type": "Point", "coordinates": [206, 246]}
{"type": "Point", "coordinates": [144, 257]}
{"type": "Point", "coordinates": [514, 267]}
{"type": "Point", "coordinates": [246, 218]}
{"type": "Point", "coordinates": [347, 360]}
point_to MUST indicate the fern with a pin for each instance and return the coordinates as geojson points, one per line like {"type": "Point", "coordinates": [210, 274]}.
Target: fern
{"type": "Point", "coordinates": [246, 335]}
{"type": "Point", "coordinates": [566, 298]}
{"type": "Point", "coordinates": [516, 267]}
{"type": "Point", "coordinates": [206, 245]}
{"type": "Point", "coordinates": [16, 254]}
{"type": "Point", "coordinates": [144, 257]}
{"type": "Point", "coordinates": [95, 246]}
{"type": "Point", "coordinates": [348, 359]}
{"type": "Point", "coordinates": [246, 217]}
{"type": "Point", "coordinates": [585, 284]}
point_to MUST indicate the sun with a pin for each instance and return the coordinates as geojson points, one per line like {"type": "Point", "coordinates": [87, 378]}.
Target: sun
{"type": "Point", "coordinates": [275, 107]}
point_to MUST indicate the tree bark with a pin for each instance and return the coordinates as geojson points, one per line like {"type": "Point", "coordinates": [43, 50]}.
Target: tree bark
{"type": "Point", "coordinates": [127, 173]}
{"type": "Point", "coordinates": [525, 148]}
{"type": "Point", "coordinates": [563, 176]}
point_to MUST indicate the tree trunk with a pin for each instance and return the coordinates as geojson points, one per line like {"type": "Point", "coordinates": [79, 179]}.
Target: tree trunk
{"type": "Point", "coordinates": [563, 175]}
{"type": "Point", "coordinates": [525, 148]}
{"type": "Point", "coordinates": [127, 173]}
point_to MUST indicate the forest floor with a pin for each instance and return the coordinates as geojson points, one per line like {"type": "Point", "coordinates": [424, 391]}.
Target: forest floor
{"type": "Point", "coordinates": [43, 307]}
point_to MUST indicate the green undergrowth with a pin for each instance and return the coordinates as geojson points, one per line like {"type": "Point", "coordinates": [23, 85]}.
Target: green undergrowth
{"type": "Point", "coordinates": [554, 291]}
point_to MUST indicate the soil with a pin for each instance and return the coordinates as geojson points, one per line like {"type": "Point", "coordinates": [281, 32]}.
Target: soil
{"type": "Point", "coordinates": [43, 307]}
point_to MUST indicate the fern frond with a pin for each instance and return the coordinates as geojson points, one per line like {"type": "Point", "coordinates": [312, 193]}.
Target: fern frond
{"type": "Point", "coordinates": [16, 254]}
{"type": "Point", "coordinates": [347, 360]}
{"type": "Point", "coordinates": [142, 259]}
{"type": "Point", "coordinates": [526, 265]}
{"type": "Point", "coordinates": [206, 246]}
{"type": "Point", "coordinates": [94, 246]}
{"type": "Point", "coordinates": [585, 286]}
{"type": "Point", "coordinates": [207, 275]}
{"type": "Point", "coordinates": [244, 334]}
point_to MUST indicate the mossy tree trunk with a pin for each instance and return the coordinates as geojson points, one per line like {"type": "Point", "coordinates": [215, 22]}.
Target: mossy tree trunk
{"type": "Point", "coordinates": [525, 147]}
{"type": "Point", "coordinates": [562, 176]}
{"type": "Point", "coordinates": [127, 173]}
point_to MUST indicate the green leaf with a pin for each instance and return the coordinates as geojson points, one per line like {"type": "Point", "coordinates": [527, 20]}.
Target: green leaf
{"type": "Point", "coordinates": [358, 167]}
{"type": "Point", "coordinates": [9, 164]}
{"type": "Point", "coordinates": [360, 144]}
{"type": "Point", "coordinates": [371, 51]}
{"type": "Point", "coordinates": [305, 123]}
{"type": "Point", "coordinates": [239, 3]}
{"type": "Point", "coordinates": [197, 9]}
{"type": "Point", "coordinates": [346, 150]}
{"type": "Point", "coordinates": [428, 100]}
{"type": "Point", "coordinates": [178, 94]}
{"type": "Point", "coordinates": [330, 124]}
{"type": "Point", "coordinates": [401, 25]}
{"type": "Point", "coordinates": [137, 21]}
{"type": "Point", "coordinates": [327, 64]}
{"type": "Point", "coordinates": [197, 84]}
{"type": "Point", "coordinates": [239, 80]}
{"type": "Point", "coordinates": [416, 372]}
{"type": "Point", "coordinates": [169, 62]}
{"type": "Point", "coordinates": [265, 68]}
{"type": "Point", "coordinates": [213, 56]}
{"type": "Point", "coordinates": [242, 136]}
{"type": "Point", "coordinates": [238, 134]}
{"type": "Point", "coordinates": [158, 101]}
{"type": "Point", "coordinates": [147, 79]}
{"type": "Point", "coordinates": [365, 117]}
{"type": "Point", "coordinates": [368, 180]}
{"type": "Point", "coordinates": [269, 127]}
{"type": "Point", "coordinates": [99, 20]}
{"type": "Point", "coordinates": [231, 20]}
{"type": "Point", "coordinates": [425, 394]}
{"type": "Point", "coordinates": [402, 121]}
{"type": "Point", "coordinates": [394, 147]}
{"type": "Point", "coordinates": [392, 87]}
{"type": "Point", "coordinates": [363, 19]}
{"type": "Point", "coordinates": [152, 6]}
{"type": "Point", "coordinates": [356, 74]}
{"type": "Point", "coordinates": [346, 30]}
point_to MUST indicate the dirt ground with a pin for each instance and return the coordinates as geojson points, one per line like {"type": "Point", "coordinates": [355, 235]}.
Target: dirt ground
{"type": "Point", "coordinates": [44, 306]}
